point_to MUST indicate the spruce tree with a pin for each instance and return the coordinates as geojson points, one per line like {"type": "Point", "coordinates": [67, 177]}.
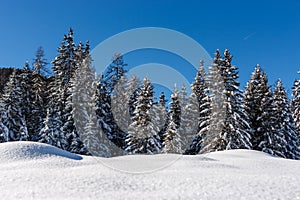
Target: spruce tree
{"type": "Point", "coordinates": [14, 119]}
{"type": "Point", "coordinates": [173, 138]}
{"type": "Point", "coordinates": [39, 102]}
{"type": "Point", "coordinates": [189, 124]}
{"type": "Point", "coordinates": [162, 117]}
{"type": "Point", "coordinates": [120, 104]}
{"type": "Point", "coordinates": [40, 63]}
{"type": "Point", "coordinates": [200, 90]}
{"type": "Point", "coordinates": [59, 115]}
{"type": "Point", "coordinates": [234, 129]}
{"type": "Point", "coordinates": [286, 139]}
{"type": "Point", "coordinates": [142, 133]}
{"type": "Point", "coordinates": [296, 104]}
{"type": "Point", "coordinates": [26, 85]}
{"type": "Point", "coordinates": [3, 129]}
{"type": "Point", "coordinates": [259, 106]}
{"type": "Point", "coordinates": [84, 109]}
{"type": "Point", "coordinates": [114, 72]}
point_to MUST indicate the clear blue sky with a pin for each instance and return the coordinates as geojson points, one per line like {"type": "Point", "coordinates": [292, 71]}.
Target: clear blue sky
{"type": "Point", "coordinates": [264, 32]}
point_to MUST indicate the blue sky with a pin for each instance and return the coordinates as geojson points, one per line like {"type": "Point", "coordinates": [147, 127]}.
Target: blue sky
{"type": "Point", "coordinates": [264, 32]}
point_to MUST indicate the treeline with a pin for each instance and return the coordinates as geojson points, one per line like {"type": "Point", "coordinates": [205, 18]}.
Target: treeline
{"type": "Point", "coordinates": [114, 114]}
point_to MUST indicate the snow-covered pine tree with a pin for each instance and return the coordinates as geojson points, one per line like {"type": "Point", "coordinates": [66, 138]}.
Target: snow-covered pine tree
{"type": "Point", "coordinates": [84, 112]}
{"type": "Point", "coordinates": [26, 85]}
{"type": "Point", "coordinates": [212, 138]}
{"type": "Point", "coordinates": [103, 111]}
{"type": "Point", "coordinates": [286, 138]}
{"type": "Point", "coordinates": [134, 85]}
{"type": "Point", "coordinates": [234, 132]}
{"type": "Point", "coordinates": [142, 133]}
{"type": "Point", "coordinates": [11, 104]}
{"type": "Point", "coordinates": [40, 63]}
{"type": "Point", "coordinates": [183, 99]}
{"type": "Point", "coordinates": [200, 90]}
{"type": "Point", "coordinates": [51, 133]}
{"type": "Point", "coordinates": [114, 72]}
{"type": "Point", "coordinates": [258, 101]}
{"type": "Point", "coordinates": [189, 124]}
{"type": "Point", "coordinates": [162, 117]}
{"type": "Point", "coordinates": [120, 104]}
{"type": "Point", "coordinates": [173, 138]}
{"type": "Point", "coordinates": [259, 106]}
{"type": "Point", "coordinates": [65, 65]}
{"type": "Point", "coordinates": [3, 129]}
{"type": "Point", "coordinates": [39, 101]}
{"type": "Point", "coordinates": [296, 104]}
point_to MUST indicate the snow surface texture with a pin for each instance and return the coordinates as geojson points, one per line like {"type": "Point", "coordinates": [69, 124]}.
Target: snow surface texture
{"type": "Point", "coordinates": [37, 171]}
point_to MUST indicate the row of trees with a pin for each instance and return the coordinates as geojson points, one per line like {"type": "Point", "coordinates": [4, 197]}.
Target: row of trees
{"type": "Point", "coordinates": [114, 115]}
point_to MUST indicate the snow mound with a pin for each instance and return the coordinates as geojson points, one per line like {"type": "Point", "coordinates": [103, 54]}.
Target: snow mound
{"type": "Point", "coordinates": [11, 151]}
{"type": "Point", "coordinates": [233, 174]}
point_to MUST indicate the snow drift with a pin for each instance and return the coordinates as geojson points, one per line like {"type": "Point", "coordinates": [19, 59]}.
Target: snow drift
{"type": "Point", "coordinates": [38, 171]}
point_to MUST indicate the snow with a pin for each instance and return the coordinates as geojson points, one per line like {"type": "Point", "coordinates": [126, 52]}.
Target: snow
{"type": "Point", "coordinates": [38, 171]}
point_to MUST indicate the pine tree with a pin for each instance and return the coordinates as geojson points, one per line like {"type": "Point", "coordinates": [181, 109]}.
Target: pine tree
{"type": "Point", "coordinates": [39, 102]}
{"type": "Point", "coordinates": [296, 104]}
{"type": "Point", "coordinates": [162, 118]}
{"type": "Point", "coordinates": [286, 139]}
{"type": "Point", "coordinates": [103, 111]}
{"type": "Point", "coordinates": [183, 99]}
{"type": "Point", "coordinates": [114, 72]}
{"type": "Point", "coordinates": [260, 109]}
{"type": "Point", "coordinates": [39, 93]}
{"type": "Point", "coordinates": [173, 138]}
{"type": "Point", "coordinates": [189, 125]}
{"type": "Point", "coordinates": [26, 85]}
{"type": "Point", "coordinates": [40, 63]}
{"type": "Point", "coordinates": [84, 108]}
{"type": "Point", "coordinates": [120, 104]}
{"type": "Point", "coordinates": [200, 90]}
{"type": "Point", "coordinates": [11, 104]}
{"type": "Point", "coordinates": [212, 136]}
{"type": "Point", "coordinates": [142, 134]}
{"type": "Point", "coordinates": [59, 115]}
{"type": "Point", "coordinates": [234, 130]}
{"type": "Point", "coordinates": [3, 129]}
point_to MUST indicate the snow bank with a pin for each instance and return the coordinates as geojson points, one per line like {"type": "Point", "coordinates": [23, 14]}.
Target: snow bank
{"type": "Point", "coordinates": [38, 171]}
{"type": "Point", "coordinates": [11, 151]}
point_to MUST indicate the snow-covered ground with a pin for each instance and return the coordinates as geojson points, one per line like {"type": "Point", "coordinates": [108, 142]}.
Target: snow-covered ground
{"type": "Point", "coordinates": [38, 171]}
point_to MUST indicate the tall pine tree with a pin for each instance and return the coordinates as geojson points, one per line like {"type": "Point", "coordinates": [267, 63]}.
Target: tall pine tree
{"type": "Point", "coordinates": [142, 133]}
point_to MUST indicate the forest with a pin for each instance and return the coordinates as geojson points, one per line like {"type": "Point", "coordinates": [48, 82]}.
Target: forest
{"type": "Point", "coordinates": [112, 114]}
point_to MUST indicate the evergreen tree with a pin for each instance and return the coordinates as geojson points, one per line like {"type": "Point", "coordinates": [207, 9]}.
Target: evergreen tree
{"type": "Point", "coordinates": [120, 104]}
{"type": "Point", "coordinates": [200, 90]}
{"type": "Point", "coordinates": [27, 106]}
{"type": "Point", "coordinates": [59, 113]}
{"type": "Point", "coordinates": [142, 133]}
{"type": "Point", "coordinates": [259, 107]}
{"type": "Point", "coordinates": [39, 102]}
{"type": "Point", "coordinates": [84, 110]}
{"type": "Point", "coordinates": [286, 139]}
{"type": "Point", "coordinates": [40, 63]}
{"type": "Point", "coordinates": [296, 104]}
{"type": "Point", "coordinates": [212, 136]}
{"type": "Point", "coordinates": [103, 111]}
{"type": "Point", "coordinates": [3, 129]}
{"type": "Point", "coordinates": [11, 104]}
{"type": "Point", "coordinates": [162, 117]}
{"type": "Point", "coordinates": [189, 125]}
{"type": "Point", "coordinates": [183, 99]}
{"type": "Point", "coordinates": [114, 72]}
{"type": "Point", "coordinates": [173, 138]}
{"type": "Point", "coordinates": [234, 130]}
{"type": "Point", "coordinates": [39, 93]}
